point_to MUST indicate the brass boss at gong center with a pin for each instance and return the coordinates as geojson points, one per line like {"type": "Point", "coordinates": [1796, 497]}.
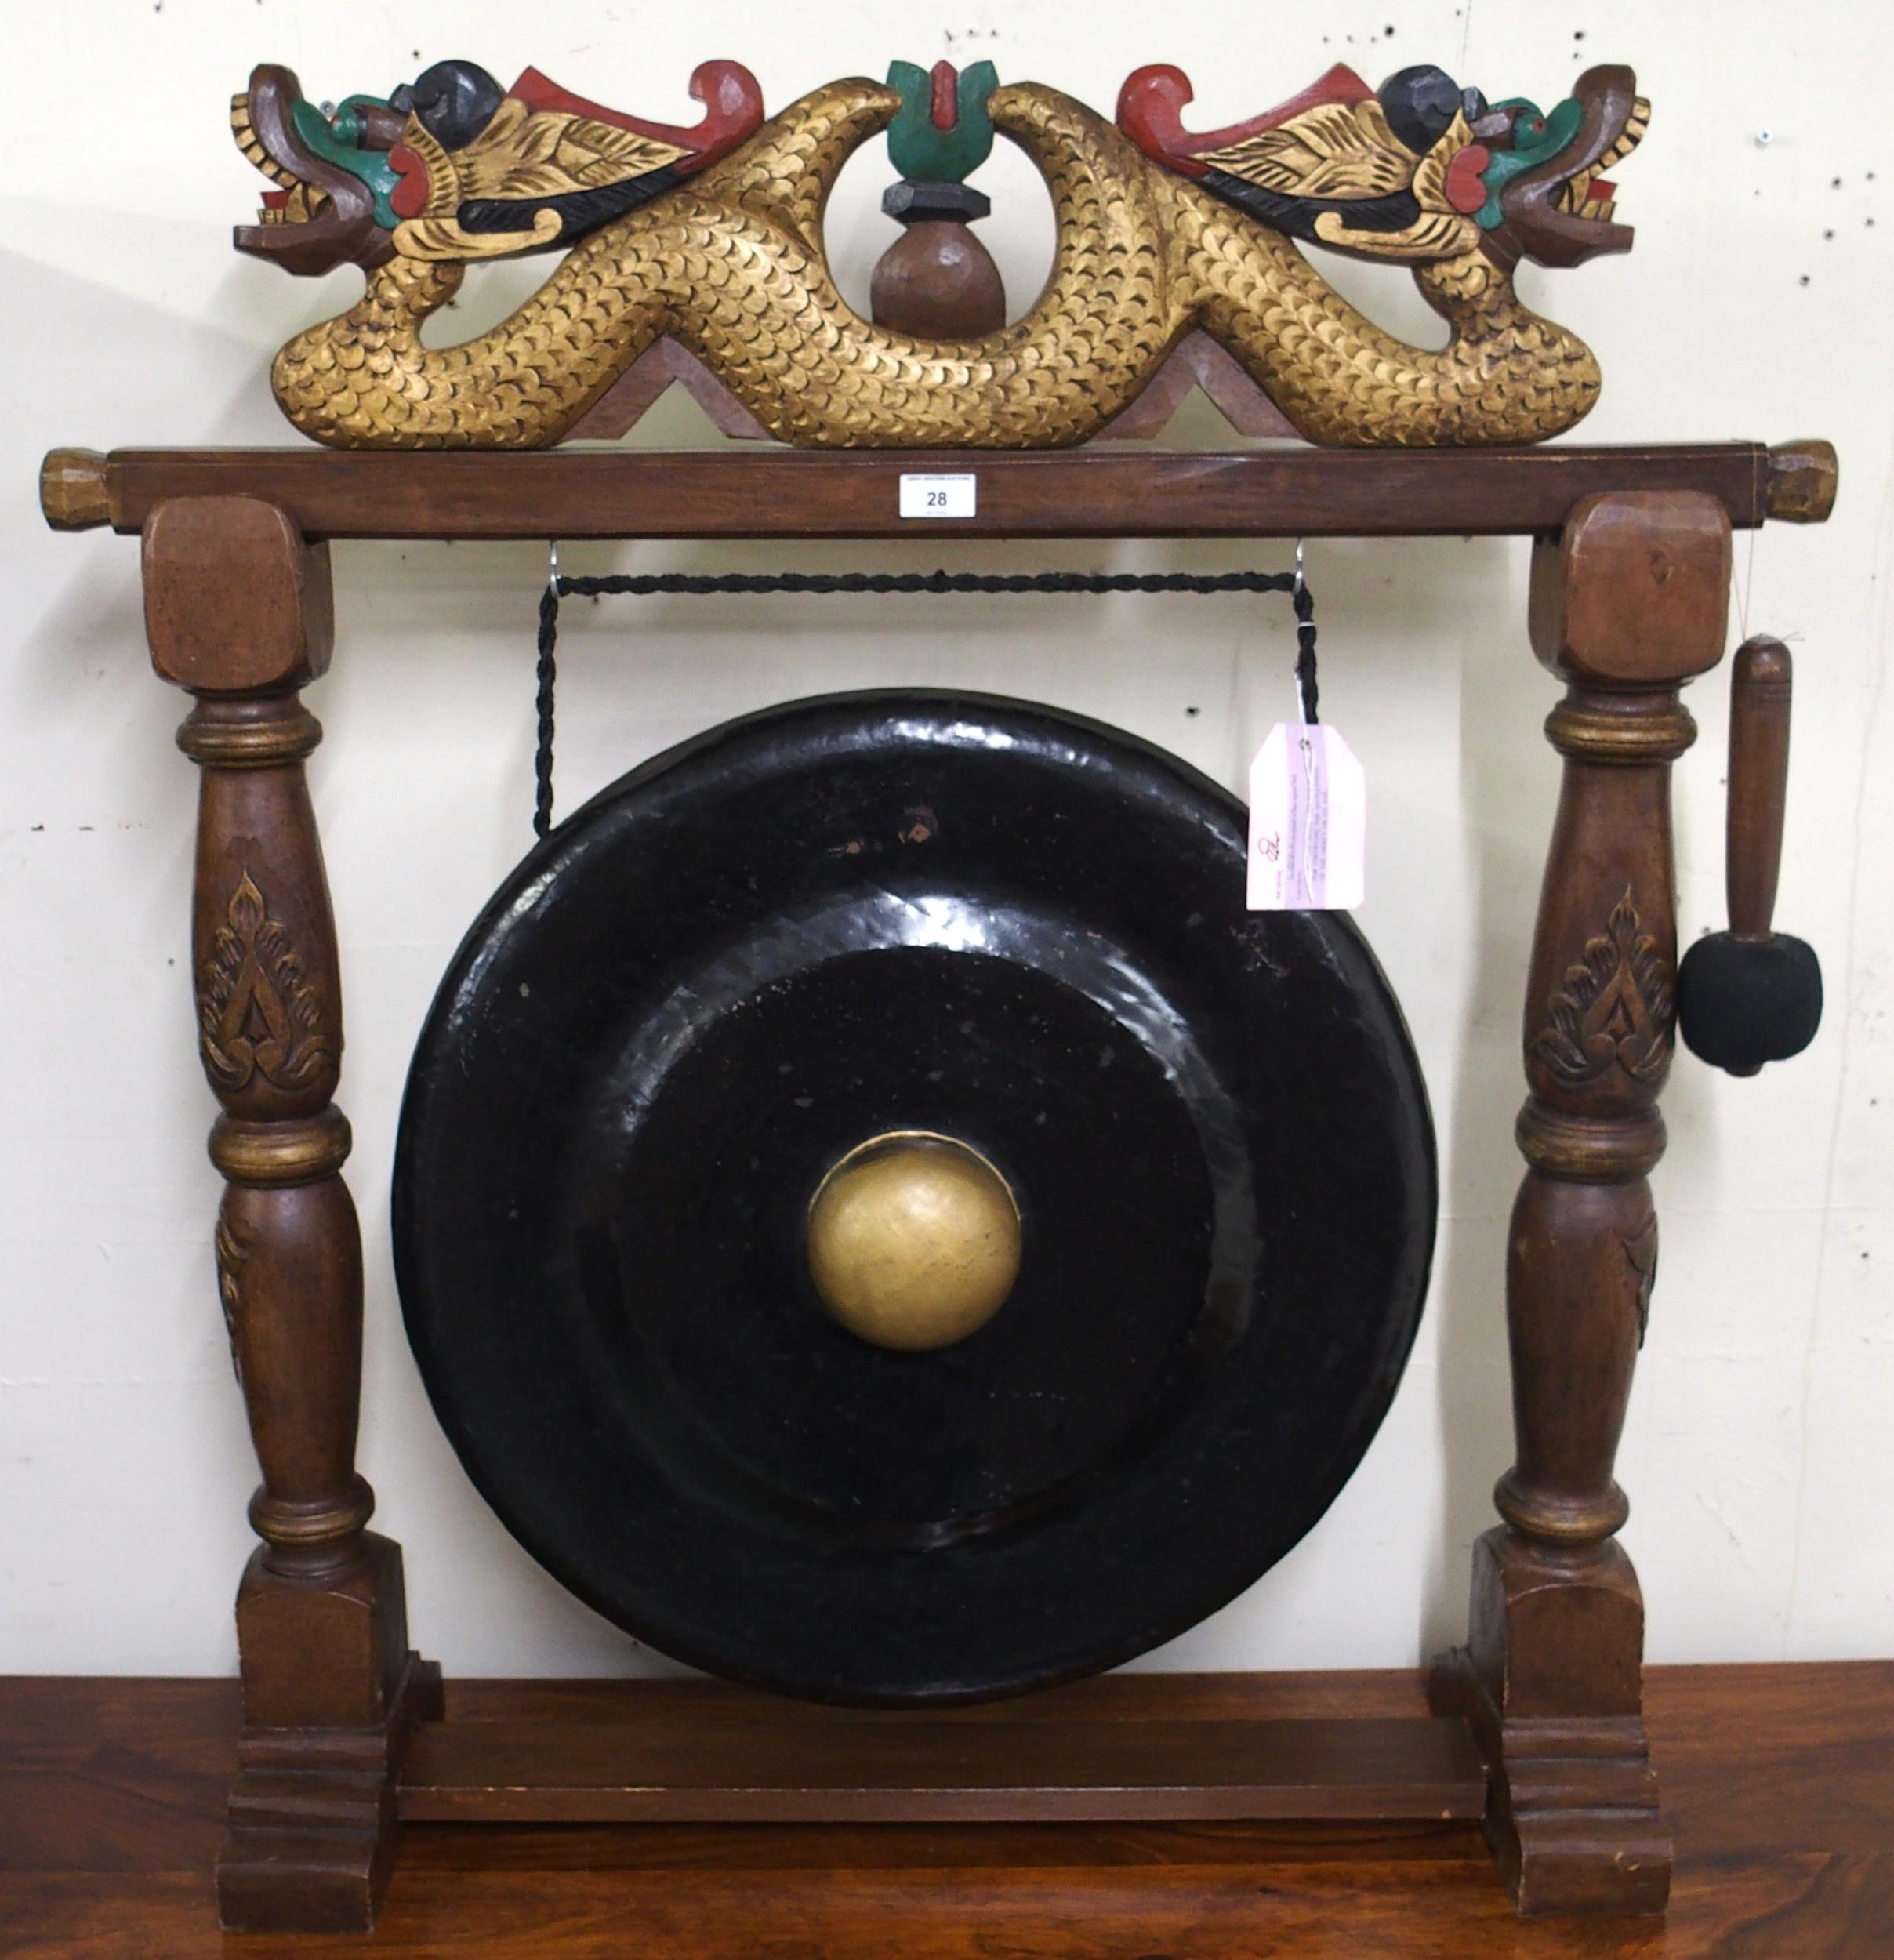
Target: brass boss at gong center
{"type": "Point", "coordinates": [913, 1240]}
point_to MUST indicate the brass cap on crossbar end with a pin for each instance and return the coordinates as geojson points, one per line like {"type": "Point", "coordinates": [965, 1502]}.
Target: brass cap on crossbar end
{"type": "Point", "coordinates": [1802, 480]}
{"type": "Point", "coordinates": [72, 490]}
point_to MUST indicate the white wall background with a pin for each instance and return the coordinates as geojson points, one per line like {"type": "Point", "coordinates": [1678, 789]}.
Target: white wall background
{"type": "Point", "coordinates": [1755, 306]}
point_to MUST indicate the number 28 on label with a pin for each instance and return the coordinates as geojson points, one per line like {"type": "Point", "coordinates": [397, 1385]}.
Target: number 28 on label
{"type": "Point", "coordinates": [939, 495]}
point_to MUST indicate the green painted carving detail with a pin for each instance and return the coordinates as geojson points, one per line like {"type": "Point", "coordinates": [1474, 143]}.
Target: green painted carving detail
{"type": "Point", "coordinates": [924, 154]}
{"type": "Point", "coordinates": [339, 142]}
{"type": "Point", "coordinates": [1537, 138]}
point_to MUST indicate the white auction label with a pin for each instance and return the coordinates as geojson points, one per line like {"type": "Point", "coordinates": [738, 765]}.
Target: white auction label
{"type": "Point", "coordinates": [938, 496]}
{"type": "Point", "coordinates": [1309, 821]}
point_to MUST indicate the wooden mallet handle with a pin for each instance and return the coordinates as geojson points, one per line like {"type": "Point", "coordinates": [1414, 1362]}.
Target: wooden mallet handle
{"type": "Point", "coordinates": [1759, 702]}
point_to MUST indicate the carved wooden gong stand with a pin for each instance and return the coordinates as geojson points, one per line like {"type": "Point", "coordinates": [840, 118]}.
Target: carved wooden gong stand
{"type": "Point", "coordinates": [1538, 1729]}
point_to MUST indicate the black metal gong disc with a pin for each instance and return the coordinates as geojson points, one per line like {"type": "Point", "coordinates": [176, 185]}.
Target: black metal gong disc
{"type": "Point", "coordinates": [909, 911]}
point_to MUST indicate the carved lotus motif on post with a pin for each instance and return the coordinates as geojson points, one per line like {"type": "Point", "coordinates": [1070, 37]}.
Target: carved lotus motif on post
{"type": "Point", "coordinates": [257, 1013]}
{"type": "Point", "coordinates": [1614, 1005]}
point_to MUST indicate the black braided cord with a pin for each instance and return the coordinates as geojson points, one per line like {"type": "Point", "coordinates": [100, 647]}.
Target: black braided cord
{"type": "Point", "coordinates": [692, 585]}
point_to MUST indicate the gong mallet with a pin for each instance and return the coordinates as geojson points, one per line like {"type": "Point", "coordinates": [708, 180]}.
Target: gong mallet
{"type": "Point", "coordinates": [1751, 995]}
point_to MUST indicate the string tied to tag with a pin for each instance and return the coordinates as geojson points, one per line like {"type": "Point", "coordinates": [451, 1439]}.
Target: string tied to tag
{"type": "Point", "coordinates": [1304, 601]}
{"type": "Point", "coordinates": [1307, 798]}
{"type": "Point", "coordinates": [1307, 695]}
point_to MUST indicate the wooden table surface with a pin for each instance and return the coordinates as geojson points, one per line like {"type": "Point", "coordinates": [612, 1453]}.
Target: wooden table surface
{"type": "Point", "coordinates": [1778, 1780]}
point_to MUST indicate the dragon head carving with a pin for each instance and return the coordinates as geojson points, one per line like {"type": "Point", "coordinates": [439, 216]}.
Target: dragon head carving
{"type": "Point", "coordinates": [1419, 171]}
{"type": "Point", "coordinates": [1548, 197]}
{"type": "Point", "coordinates": [452, 166]}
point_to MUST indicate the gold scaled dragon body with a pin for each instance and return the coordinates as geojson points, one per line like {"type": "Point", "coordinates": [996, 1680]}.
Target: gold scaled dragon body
{"type": "Point", "coordinates": [714, 237]}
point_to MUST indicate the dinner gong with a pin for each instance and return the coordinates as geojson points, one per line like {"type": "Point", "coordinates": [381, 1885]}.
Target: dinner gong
{"type": "Point", "coordinates": [878, 1219]}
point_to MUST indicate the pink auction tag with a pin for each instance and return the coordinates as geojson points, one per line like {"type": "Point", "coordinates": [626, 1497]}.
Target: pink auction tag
{"type": "Point", "coordinates": [1309, 821]}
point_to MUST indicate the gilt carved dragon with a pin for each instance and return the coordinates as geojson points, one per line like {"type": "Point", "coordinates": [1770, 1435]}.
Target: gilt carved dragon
{"type": "Point", "coordinates": [713, 235]}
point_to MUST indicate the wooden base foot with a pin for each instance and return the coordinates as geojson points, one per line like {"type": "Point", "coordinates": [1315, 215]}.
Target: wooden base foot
{"type": "Point", "coordinates": [325, 1874]}
{"type": "Point", "coordinates": [330, 1689]}
{"type": "Point", "coordinates": [1549, 1680]}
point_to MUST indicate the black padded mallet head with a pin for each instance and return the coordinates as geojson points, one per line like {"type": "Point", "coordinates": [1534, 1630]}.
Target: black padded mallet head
{"type": "Point", "coordinates": [1741, 1002]}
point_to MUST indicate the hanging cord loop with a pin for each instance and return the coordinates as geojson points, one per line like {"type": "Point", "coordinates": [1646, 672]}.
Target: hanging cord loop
{"type": "Point", "coordinates": [1303, 601]}
{"type": "Point", "coordinates": [547, 676]}
{"type": "Point", "coordinates": [692, 585]}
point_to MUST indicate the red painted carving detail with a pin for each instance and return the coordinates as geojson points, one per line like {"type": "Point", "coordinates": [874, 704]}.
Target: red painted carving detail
{"type": "Point", "coordinates": [944, 110]}
{"type": "Point", "coordinates": [1465, 192]}
{"type": "Point", "coordinates": [409, 198]}
{"type": "Point", "coordinates": [1151, 105]}
{"type": "Point", "coordinates": [733, 110]}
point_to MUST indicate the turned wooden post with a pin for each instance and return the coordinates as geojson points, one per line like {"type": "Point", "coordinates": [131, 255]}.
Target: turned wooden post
{"type": "Point", "coordinates": [1628, 605]}
{"type": "Point", "coordinates": [237, 611]}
